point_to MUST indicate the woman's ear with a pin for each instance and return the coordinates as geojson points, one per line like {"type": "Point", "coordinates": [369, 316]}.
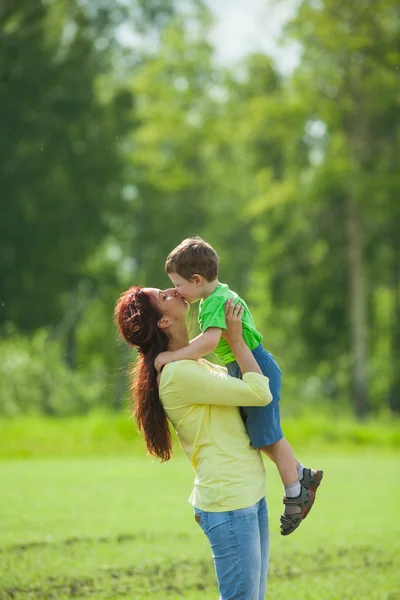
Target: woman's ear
{"type": "Point", "coordinates": [164, 322]}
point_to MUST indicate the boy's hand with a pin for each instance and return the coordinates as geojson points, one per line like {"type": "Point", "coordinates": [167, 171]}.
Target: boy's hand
{"type": "Point", "coordinates": [163, 359]}
{"type": "Point", "coordinates": [233, 320]}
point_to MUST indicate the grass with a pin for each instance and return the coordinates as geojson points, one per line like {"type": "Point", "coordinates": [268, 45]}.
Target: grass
{"type": "Point", "coordinates": [120, 527]}
{"type": "Point", "coordinates": [102, 434]}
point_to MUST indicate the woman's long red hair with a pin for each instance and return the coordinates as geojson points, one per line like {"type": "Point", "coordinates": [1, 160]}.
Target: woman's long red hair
{"type": "Point", "coordinates": [137, 319]}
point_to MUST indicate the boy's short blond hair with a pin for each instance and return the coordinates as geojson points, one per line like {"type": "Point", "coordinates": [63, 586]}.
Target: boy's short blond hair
{"type": "Point", "coordinates": [193, 256]}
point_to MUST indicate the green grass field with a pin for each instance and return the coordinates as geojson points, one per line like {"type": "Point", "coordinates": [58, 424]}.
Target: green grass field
{"type": "Point", "coordinates": [92, 527]}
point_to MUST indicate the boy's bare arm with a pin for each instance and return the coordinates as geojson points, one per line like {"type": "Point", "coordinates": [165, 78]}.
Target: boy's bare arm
{"type": "Point", "coordinates": [203, 344]}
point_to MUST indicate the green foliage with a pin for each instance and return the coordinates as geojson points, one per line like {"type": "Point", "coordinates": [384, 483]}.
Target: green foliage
{"type": "Point", "coordinates": [110, 433]}
{"type": "Point", "coordinates": [58, 155]}
{"type": "Point", "coordinates": [167, 172]}
{"type": "Point", "coordinates": [348, 80]}
{"type": "Point", "coordinates": [111, 155]}
{"type": "Point", "coordinates": [35, 379]}
{"type": "Point", "coordinates": [97, 433]}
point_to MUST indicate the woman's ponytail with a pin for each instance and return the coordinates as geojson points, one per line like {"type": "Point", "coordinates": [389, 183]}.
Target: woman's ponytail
{"type": "Point", "coordinates": [137, 319]}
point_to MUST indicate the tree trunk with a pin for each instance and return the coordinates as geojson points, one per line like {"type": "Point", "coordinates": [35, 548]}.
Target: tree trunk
{"type": "Point", "coordinates": [357, 309]}
{"type": "Point", "coordinates": [394, 390]}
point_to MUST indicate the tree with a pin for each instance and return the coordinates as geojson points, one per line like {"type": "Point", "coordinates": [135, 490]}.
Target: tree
{"type": "Point", "coordinates": [59, 159]}
{"type": "Point", "coordinates": [166, 182]}
{"type": "Point", "coordinates": [347, 77]}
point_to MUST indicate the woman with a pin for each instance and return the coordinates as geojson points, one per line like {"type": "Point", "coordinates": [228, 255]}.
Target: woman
{"type": "Point", "coordinates": [202, 401]}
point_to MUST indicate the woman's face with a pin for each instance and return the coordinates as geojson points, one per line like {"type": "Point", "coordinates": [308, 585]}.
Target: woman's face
{"type": "Point", "coordinates": [169, 303]}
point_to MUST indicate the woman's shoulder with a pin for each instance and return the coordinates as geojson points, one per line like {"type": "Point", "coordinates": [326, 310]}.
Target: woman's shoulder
{"type": "Point", "coordinates": [182, 369]}
{"type": "Point", "coordinates": [182, 366]}
{"type": "Point", "coordinates": [212, 366]}
{"type": "Point", "coordinates": [196, 364]}
{"type": "Point", "coordinates": [177, 375]}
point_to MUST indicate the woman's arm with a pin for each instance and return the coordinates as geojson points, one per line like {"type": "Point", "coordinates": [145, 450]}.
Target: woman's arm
{"type": "Point", "coordinates": [201, 385]}
{"type": "Point", "coordinates": [198, 384]}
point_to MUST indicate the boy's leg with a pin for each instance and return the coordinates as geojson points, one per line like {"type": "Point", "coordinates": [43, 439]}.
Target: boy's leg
{"type": "Point", "coordinates": [282, 455]}
{"type": "Point", "coordinates": [265, 432]}
{"type": "Point", "coordinates": [298, 500]}
{"type": "Point", "coordinates": [308, 478]}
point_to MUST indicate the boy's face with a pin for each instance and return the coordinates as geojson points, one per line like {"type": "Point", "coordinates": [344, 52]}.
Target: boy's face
{"type": "Point", "coordinates": [190, 290]}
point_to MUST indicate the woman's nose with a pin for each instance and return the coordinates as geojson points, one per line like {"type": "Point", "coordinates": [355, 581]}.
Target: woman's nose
{"type": "Point", "coordinates": [172, 292]}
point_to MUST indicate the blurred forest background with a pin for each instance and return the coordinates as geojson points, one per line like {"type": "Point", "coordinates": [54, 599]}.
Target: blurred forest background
{"type": "Point", "coordinates": [111, 153]}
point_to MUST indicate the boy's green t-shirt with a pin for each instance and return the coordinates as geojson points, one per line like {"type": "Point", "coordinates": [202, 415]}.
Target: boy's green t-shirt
{"type": "Point", "coordinates": [212, 314]}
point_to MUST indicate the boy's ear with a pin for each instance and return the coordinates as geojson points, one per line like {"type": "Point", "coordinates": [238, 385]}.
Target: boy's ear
{"type": "Point", "coordinates": [197, 279]}
{"type": "Point", "coordinates": [164, 322]}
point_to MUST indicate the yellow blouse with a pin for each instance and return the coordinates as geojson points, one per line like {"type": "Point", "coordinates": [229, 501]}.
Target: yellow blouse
{"type": "Point", "coordinates": [201, 401]}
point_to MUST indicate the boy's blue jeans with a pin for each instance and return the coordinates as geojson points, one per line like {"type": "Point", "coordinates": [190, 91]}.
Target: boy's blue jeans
{"type": "Point", "coordinates": [239, 541]}
{"type": "Point", "coordinates": [263, 423]}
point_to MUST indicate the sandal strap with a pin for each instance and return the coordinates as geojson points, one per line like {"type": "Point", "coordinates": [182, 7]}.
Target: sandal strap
{"type": "Point", "coordinates": [301, 500]}
{"type": "Point", "coordinates": [308, 480]}
{"type": "Point", "coordinates": [291, 519]}
{"type": "Point", "coordinates": [290, 522]}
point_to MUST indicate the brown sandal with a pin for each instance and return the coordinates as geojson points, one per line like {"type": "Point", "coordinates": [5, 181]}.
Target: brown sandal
{"type": "Point", "coordinates": [304, 500]}
{"type": "Point", "coordinates": [311, 482]}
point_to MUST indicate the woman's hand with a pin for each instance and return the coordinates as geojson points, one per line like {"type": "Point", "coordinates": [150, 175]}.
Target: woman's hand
{"type": "Point", "coordinates": [233, 335]}
{"type": "Point", "coordinates": [233, 319]}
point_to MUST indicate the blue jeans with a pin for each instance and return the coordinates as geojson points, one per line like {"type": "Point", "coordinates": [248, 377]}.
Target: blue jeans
{"type": "Point", "coordinates": [239, 541]}
{"type": "Point", "coordinates": [263, 423]}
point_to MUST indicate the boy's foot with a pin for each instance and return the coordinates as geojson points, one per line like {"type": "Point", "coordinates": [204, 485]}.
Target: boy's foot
{"type": "Point", "coordinates": [289, 523]}
{"type": "Point", "coordinates": [311, 480]}
{"type": "Point", "coordinates": [296, 509]}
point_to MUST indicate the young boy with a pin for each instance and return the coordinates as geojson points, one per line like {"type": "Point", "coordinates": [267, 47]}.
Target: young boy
{"type": "Point", "coordinates": [193, 269]}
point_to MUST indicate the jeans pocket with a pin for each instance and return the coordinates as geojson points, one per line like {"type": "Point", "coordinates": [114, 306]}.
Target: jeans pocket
{"type": "Point", "coordinates": [201, 518]}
